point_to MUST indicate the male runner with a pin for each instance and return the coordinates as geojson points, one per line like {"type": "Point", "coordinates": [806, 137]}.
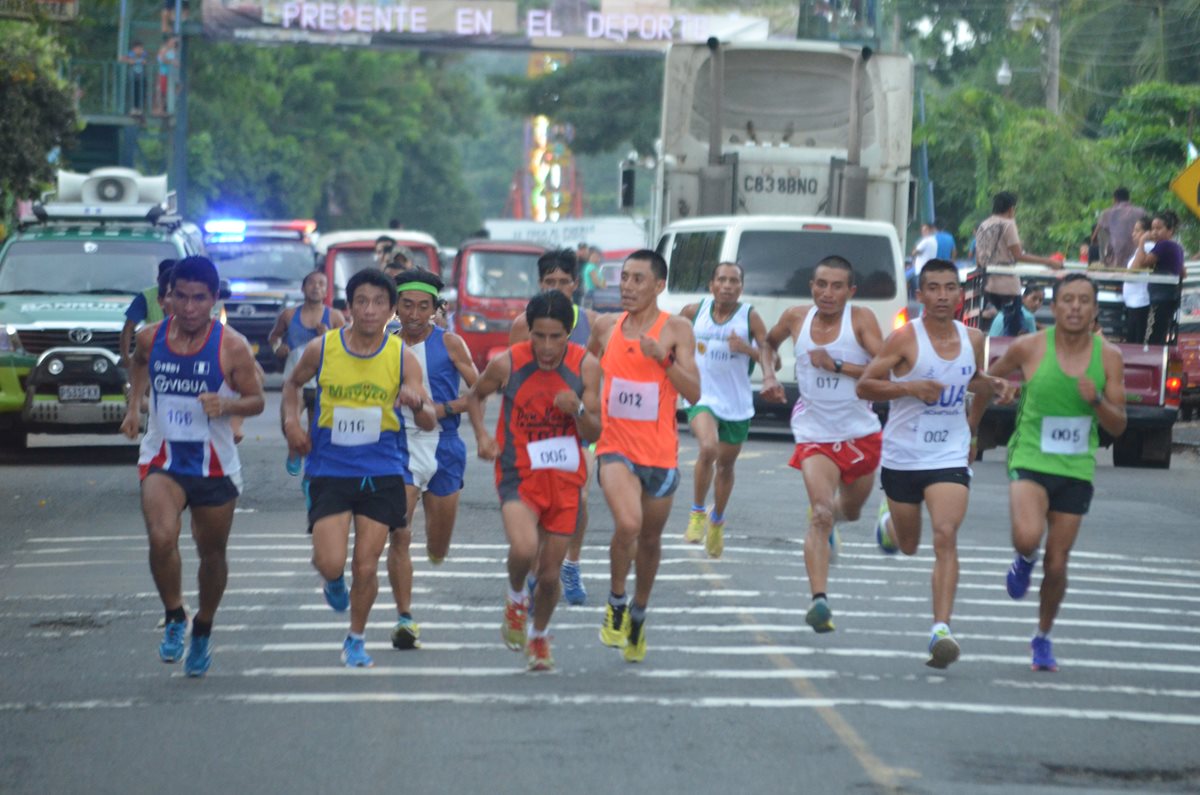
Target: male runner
{"type": "Point", "coordinates": [720, 420]}
{"type": "Point", "coordinates": [648, 359]}
{"type": "Point", "coordinates": [1073, 381]}
{"type": "Point", "coordinates": [837, 433]}
{"type": "Point", "coordinates": [436, 459]}
{"type": "Point", "coordinates": [926, 369]}
{"type": "Point", "coordinates": [199, 375]}
{"type": "Point", "coordinates": [356, 456]}
{"type": "Point", "coordinates": [557, 271]}
{"type": "Point", "coordinates": [551, 402]}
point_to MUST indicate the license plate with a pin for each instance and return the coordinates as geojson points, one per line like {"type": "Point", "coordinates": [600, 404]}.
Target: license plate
{"type": "Point", "coordinates": [79, 393]}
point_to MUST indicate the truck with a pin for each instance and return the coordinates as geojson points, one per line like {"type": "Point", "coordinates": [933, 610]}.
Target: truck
{"type": "Point", "coordinates": [775, 155]}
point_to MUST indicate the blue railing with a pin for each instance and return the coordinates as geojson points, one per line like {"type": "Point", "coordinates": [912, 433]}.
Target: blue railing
{"type": "Point", "coordinates": [110, 88]}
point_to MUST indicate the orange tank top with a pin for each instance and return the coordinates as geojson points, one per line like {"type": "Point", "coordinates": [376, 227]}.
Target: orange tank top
{"type": "Point", "coordinates": [637, 405]}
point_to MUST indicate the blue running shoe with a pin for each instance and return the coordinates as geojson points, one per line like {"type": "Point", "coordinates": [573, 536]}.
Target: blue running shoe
{"type": "Point", "coordinates": [885, 540]}
{"type": "Point", "coordinates": [1043, 655]}
{"type": "Point", "coordinates": [198, 657]}
{"type": "Point", "coordinates": [294, 464]}
{"type": "Point", "coordinates": [171, 648]}
{"type": "Point", "coordinates": [354, 653]}
{"type": "Point", "coordinates": [337, 595]}
{"type": "Point", "coordinates": [573, 588]}
{"type": "Point", "coordinates": [1017, 581]}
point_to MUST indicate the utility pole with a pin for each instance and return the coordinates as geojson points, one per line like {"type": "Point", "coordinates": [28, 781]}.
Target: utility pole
{"type": "Point", "coordinates": [179, 120]}
{"type": "Point", "coordinates": [1053, 53]}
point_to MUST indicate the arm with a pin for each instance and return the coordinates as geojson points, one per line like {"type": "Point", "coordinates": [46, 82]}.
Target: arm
{"type": "Point", "coordinates": [245, 378]}
{"type": "Point", "coordinates": [139, 381]}
{"type": "Point", "coordinates": [566, 401]}
{"type": "Point", "coordinates": [1109, 404]}
{"type": "Point", "coordinates": [789, 322]}
{"type": "Point", "coordinates": [689, 312]}
{"type": "Point", "coordinates": [493, 377]}
{"type": "Point", "coordinates": [866, 331]}
{"type": "Point", "coordinates": [681, 343]}
{"type": "Point", "coordinates": [275, 338]}
{"type": "Point", "coordinates": [519, 331]}
{"type": "Point", "coordinates": [876, 383]}
{"type": "Point", "coordinates": [771, 388]}
{"type": "Point", "coordinates": [412, 393]}
{"type": "Point", "coordinates": [293, 387]}
{"type": "Point", "coordinates": [126, 341]}
{"type": "Point", "coordinates": [466, 368]}
{"type": "Point", "coordinates": [1143, 259]}
{"type": "Point", "coordinates": [336, 319]}
{"type": "Point", "coordinates": [599, 336]}
{"type": "Point", "coordinates": [1021, 255]}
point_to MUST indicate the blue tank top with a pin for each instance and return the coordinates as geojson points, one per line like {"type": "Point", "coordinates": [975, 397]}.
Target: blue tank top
{"type": "Point", "coordinates": [583, 328]}
{"type": "Point", "coordinates": [299, 335]}
{"type": "Point", "coordinates": [441, 375]}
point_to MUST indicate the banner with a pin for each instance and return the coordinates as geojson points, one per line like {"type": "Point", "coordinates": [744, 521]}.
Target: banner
{"type": "Point", "coordinates": [491, 24]}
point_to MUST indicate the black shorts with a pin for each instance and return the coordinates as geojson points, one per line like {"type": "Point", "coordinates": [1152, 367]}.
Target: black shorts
{"type": "Point", "coordinates": [381, 498]}
{"type": "Point", "coordinates": [1067, 495]}
{"type": "Point", "coordinates": [204, 492]}
{"type": "Point", "coordinates": [908, 486]}
{"type": "Point", "coordinates": [310, 400]}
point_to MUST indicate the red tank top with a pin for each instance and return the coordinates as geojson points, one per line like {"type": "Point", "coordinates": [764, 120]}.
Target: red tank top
{"type": "Point", "coordinates": [637, 406]}
{"type": "Point", "coordinates": [532, 433]}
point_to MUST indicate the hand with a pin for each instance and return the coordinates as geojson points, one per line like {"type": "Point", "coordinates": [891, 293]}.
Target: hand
{"type": "Point", "coordinates": [652, 348]}
{"type": "Point", "coordinates": [926, 391]}
{"type": "Point", "coordinates": [739, 345]}
{"type": "Point", "coordinates": [298, 439]}
{"type": "Point", "coordinates": [486, 447]}
{"type": "Point", "coordinates": [409, 398]}
{"type": "Point", "coordinates": [131, 426]}
{"type": "Point", "coordinates": [322, 329]}
{"type": "Point", "coordinates": [283, 350]}
{"type": "Point", "coordinates": [1087, 390]}
{"type": "Point", "coordinates": [772, 390]}
{"type": "Point", "coordinates": [212, 403]}
{"type": "Point", "coordinates": [567, 402]}
{"type": "Point", "coordinates": [1004, 391]}
{"type": "Point", "coordinates": [821, 359]}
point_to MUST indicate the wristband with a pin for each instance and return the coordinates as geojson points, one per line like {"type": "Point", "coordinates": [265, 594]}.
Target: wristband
{"type": "Point", "coordinates": [448, 410]}
{"type": "Point", "coordinates": [579, 412]}
{"type": "Point", "coordinates": [837, 365]}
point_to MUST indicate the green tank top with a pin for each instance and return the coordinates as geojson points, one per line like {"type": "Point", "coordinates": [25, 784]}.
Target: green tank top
{"type": "Point", "coordinates": [1056, 431]}
{"type": "Point", "coordinates": [154, 312]}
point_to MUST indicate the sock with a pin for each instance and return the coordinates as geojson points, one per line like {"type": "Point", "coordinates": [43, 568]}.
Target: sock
{"type": "Point", "coordinates": [516, 596]}
{"type": "Point", "coordinates": [538, 633]}
{"type": "Point", "coordinates": [697, 508]}
{"type": "Point", "coordinates": [939, 626]}
{"type": "Point", "coordinates": [406, 618]}
{"type": "Point", "coordinates": [716, 518]}
{"type": "Point", "coordinates": [1030, 558]}
{"type": "Point", "coordinates": [820, 595]}
{"type": "Point", "coordinates": [574, 564]}
{"type": "Point", "coordinates": [176, 615]}
{"type": "Point", "coordinates": [637, 613]}
{"type": "Point", "coordinates": [1042, 635]}
{"type": "Point", "coordinates": [357, 636]}
{"type": "Point", "coordinates": [201, 629]}
{"type": "Point", "coordinates": [615, 600]}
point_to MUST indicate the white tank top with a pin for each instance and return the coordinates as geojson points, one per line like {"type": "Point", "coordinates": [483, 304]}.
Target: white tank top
{"type": "Point", "coordinates": [922, 436]}
{"type": "Point", "coordinates": [828, 410]}
{"type": "Point", "coordinates": [724, 375]}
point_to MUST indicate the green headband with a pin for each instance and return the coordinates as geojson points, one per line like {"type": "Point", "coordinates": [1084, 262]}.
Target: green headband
{"type": "Point", "coordinates": [421, 287]}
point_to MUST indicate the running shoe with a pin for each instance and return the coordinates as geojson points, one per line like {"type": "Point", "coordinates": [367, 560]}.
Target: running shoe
{"type": "Point", "coordinates": [615, 629]}
{"type": "Point", "coordinates": [171, 648]}
{"type": "Point", "coordinates": [537, 651]}
{"type": "Point", "coordinates": [294, 464]}
{"type": "Point", "coordinates": [714, 539]}
{"type": "Point", "coordinates": [572, 584]}
{"type": "Point", "coordinates": [635, 646]}
{"type": "Point", "coordinates": [943, 649]}
{"type": "Point", "coordinates": [819, 616]}
{"type": "Point", "coordinates": [882, 537]}
{"type": "Point", "coordinates": [337, 595]}
{"type": "Point", "coordinates": [436, 561]}
{"type": "Point", "coordinates": [513, 628]}
{"type": "Point", "coordinates": [1017, 580]}
{"type": "Point", "coordinates": [696, 527]}
{"type": "Point", "coordinates": [406, 634]}
{"type": "Point", "coordinates": [354, 653]}
{"type": "Point", "coordinates": [1043, 655]}
{"type": "Point", "coordinates": [198, 657]}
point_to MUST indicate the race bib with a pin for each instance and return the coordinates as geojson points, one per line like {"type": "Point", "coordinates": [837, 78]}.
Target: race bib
{"type": "Point", "coordinates": [355, 427]}
{"type": "Point", "coordinates": [633, 400]}
{"type": "Point", "coordinates": [559, 452]}
{"type": "Point", "coordinates": [935, 431]}
{"type": "Point", "coordinates": [182, 418]}
{"type": "Point", "coordinates": [826, 385]}
{"type": "Point", "coordinates": [1066, 435]}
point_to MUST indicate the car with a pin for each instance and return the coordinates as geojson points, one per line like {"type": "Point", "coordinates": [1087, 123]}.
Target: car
{"type": "Point", "coordinates": [1189, 344]}
{"type": "Point", "coordinates": [344, 253]}
{"type": "Point", "coordinates": [66, 278]}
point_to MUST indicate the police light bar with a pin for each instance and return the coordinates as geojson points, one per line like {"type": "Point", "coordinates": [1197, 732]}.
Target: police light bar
{"type": "Point", "coordinates": [225, 226]}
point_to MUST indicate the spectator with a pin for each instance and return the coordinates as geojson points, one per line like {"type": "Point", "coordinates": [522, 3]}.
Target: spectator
{"type": "Point", "coordinates": [384, 246]}
{"type": "Point", "coordinates": [1165, 257]}
{"type": "Point", "coordinates": [592, 277]}
{"type": "Point", "coordinates": [925, 250]}
{"type": "Point", "coordinates": [148, 306]}
{"type": "Point", "coordinates": [400, 262]}
{"type": "Point", "coordinates": [168, 55]}
{"type": "Point", "coordinates": [997, 242]}
{"type": "Point", "coordinates": [1113, 233]}
{"type": "Point", "coordinates": [1137, 294]}
{"type": "Point", "coordinates": [136, 59]}
{"type": "Point", "coordinates": [946, 247]}
{"type": "Point", "coordinates": [1019, 318]}
{"type": "Point", "coordinates": [168, 14]}
{"type": "Point", "coordinates": [395, 224]}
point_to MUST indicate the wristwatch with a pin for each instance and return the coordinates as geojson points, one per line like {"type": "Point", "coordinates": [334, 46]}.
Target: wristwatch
{"type": "Point", "coordinates": [837, 365]}
{"type": "Point", "coordinates": [1097, 401]}
{"type": "Point", "coordinates": [447, 410]}
{"type": "Point", "coordinates": [579, 412]}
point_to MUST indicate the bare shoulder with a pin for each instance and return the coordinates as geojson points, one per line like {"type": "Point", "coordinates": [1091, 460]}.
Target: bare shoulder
{"type": "Point", "coordinates": [1110, 353]}
{"type": "Point", "coordinates": [605, 323]}
{"type": "Point", "coordinates": [678, 324]}
{"type": "Point", "coordinates": [975, 336]}
{"type": "Point", "coordinates": [860, 315]}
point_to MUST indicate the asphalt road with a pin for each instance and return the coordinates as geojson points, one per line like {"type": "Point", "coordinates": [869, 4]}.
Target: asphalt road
{"type": "Point", "coordinates": [736, 693]}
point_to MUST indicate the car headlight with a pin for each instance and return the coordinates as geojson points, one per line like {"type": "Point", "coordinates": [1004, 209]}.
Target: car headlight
{"type": "Point", "coordinates": [9, 341]}
{"type": "Point", "coordinates": [100, 366]}
{"type": "Point", "coordinates": [470, 321]}
{"type": "Point", "coordinates": [54, 366]}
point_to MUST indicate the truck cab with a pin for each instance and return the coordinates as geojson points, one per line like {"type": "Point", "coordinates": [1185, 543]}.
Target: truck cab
{"type": "Point", "coordinates": [343, 254]}
{"type": "Point", "coordinates": [495, 281]}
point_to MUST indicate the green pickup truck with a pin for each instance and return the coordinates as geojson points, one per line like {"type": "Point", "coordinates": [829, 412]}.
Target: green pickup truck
{"type": "Point", "coordinates": [66, 278]}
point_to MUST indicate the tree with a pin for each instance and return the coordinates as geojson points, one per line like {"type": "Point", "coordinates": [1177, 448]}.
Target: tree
{"type": "Point", "coordinates": [39, 110]}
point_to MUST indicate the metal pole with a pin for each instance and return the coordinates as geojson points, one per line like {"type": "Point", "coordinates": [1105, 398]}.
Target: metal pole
{"type": "Point", "coordinates": [179, 86]}
{"type": "Point", "coordinates": [927, 214]}
{"type": "Point", "coordinates": [1053, 51]}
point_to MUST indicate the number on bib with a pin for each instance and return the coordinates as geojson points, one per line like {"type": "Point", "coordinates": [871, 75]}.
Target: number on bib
{"type": "Point", "coordinates": [633, 400]}
{"type": "Point", "coordinates": [355, 427]}
{"type": "Point", "coordinates": [1066, 435]}
{"type": "Point", "coordinates": [182, 418]}
{"type": "Point", "coordinates": [826, 385]}
{"type": "Point", "coordinates": [936, 432]}
{"type": "Point", "coordinates": [559, 452]}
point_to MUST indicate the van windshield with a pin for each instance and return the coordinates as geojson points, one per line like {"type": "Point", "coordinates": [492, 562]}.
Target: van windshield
{"type": "Point", "coordinates": [502, 274]}
{"type": "Point", "coordinates": [780, 264]}
{"type": "Point", "coordinates": [271, 260]}
{"type": "Point", "coordinates": [81, 266]}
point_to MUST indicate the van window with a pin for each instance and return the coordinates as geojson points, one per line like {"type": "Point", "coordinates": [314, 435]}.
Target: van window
{"type": "Point", "coordinates": [781, 264]}
{"type": "Point", "coordinates": [693, 255]}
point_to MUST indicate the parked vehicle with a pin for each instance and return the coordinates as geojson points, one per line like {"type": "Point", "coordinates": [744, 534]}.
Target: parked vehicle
{"type": "Point", "coordinates": [495, 281]}
{"type": "Point", "coordinates": [343, 254]}
{"type": "Point", "coordinates": [1189, 344]}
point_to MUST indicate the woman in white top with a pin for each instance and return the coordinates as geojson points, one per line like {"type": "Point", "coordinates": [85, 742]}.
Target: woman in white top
{"type": "Point", "coordinates": [1137, 294]}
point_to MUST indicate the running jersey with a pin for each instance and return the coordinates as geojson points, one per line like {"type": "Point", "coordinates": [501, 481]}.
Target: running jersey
{"type": "Point", "coordinates": [923, 436]}
{"type": "Point", "coordinates": [724, 375]}
{"type": "Point", "coordinates": [637, 405]}
{"type": "Point", "coordinates": [828, 409]}
{"type": "Point", "coordinates": [298, 335]}
{"type": "Point", "coordinates": [356, 430]}
{"type": "Point", "coordinates": [582, 330]}
{"type": "Point", "coordinates": [154, 312]}
{"type": "Point", "coordinates": [180, 438]}
{"type": "Point", "coordinates": [532, 433]}
{"type": "Point", "coordinates": [1056, 431]}
{"type": "Point", "coordinates": [440, 377]}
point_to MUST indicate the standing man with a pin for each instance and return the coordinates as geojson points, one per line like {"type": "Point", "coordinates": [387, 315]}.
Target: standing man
{"type": "Point", "coordinates": [837, 433]}
{"type": "Point", "coordinates": [925, 369]}
{"type": "Point", "coordinates": [592, 274]}
{"type": "Point", "coordinates": [1164, 258]}
{"type": "Point", "coordinates": [199, 376]}
{"type": "Point", "coordinates": [557, 271]}
{"type": "Point", "coordinates": [997, 242]}
{"type": "Point", "coordinates": [551, 405]}
{"type": "Point", "coordinates": [384, 246]}
{"type": "Point", "coordinates": [1113, 232]}
{"type": "Point", "coordinates": [648, 359]}
{"type": "Point", "coordinates": [1074, 382]}
{"type": "Point", "coordinates": [356, 454]}
{"type": "Point", "coordinates": [437, 459]}
{"type": "Point", "coordinates": [720, 420]}
{"type": "Point", "coordinates": [925, 250]}
{"type": "Point", "coordinates": [946, 247]}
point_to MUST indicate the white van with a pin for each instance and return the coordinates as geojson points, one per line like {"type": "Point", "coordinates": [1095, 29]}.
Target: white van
{"type": "Point", "coordinates": [779, 255]}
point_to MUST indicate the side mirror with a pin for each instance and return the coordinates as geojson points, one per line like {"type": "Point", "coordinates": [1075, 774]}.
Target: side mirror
{"type": "Point", "coordinates": [223, 291]}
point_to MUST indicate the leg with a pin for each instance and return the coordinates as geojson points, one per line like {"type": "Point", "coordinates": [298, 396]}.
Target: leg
{"type": "Point", "coordinates": [163, 501]}
{"type": "Point", "coordinates": [329, 538]}
{"type": "Point", "coordinates": [572, 582]}
{"type": "Point", "coordinates": [440, 514]}
{"type": "Point", "coordinates": [210, 529]}
{"type": "Point", "coordinates": [623, 492]}
{"type": "Point", "coordinates": [399, 559]}
{"type": "Point", "coordinates": [947, 506]}
{"type": "Point", "coordinates": [369, 537]}
{"type": "Point", "coordinates": [704, 428]}
{"type": "Point", "coordinates": [649, 545]}
{"type": "Point", "coordinates": [852, 496]}
{"type": "Point", "coordinates": [575, 545]}
{"type": "Point", "coordinates": [723, 487]}
{"type": "Point", "coordinates": [1064, 528]}
{"type": "Point", "coordinates": [821, 477]}
{"type": "Point", "coordinates": [905, 525]}
{"type": "Point", "coordinates": [1028, 505]}
{"type": "Point", "coordinates": [549, 562]}
{"type": "Point", "coordinates": [520, 525]}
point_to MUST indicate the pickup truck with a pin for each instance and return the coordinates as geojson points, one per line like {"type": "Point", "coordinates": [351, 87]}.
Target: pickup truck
{"type": "Point", "coordinates": [1154, 375]}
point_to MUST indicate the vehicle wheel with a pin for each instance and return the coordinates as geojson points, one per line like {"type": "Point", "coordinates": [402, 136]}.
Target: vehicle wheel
{"type": "Point", "coordinates": [1156, 449]}
{"type": "Point", "coordinates": [14, 439]}
{"type": "Point", "coordinates": [1127, 449]}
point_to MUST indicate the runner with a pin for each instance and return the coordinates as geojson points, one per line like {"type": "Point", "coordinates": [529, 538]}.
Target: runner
{"type": "Point", "coordinates": [551, 403]}
{"type": "Point", "coordinates": [198, 376]}
{"type": "Point", "coordinates": [837, 434]}
{"type": "Point", "coordinates": [557, 271]}
{"type": "Point", "coordinates": [356, 455]}
{"type": "Point", "coordinates": [926, 369]}
{"type": "Point", "coordinates": [720, 420]}
{"type": "Point", "coordinates": [1074, 381]}
{"type": "Point", "coordinates": [648, 359]}
{"type": "Point", "coordinates": [436, 459]}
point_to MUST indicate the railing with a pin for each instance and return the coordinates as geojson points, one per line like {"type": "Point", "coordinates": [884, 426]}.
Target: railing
{"type": "Point", "coordinates": [111, 88]}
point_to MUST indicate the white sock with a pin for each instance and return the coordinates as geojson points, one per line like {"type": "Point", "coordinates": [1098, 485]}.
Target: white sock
{"type": "Point", "coordinates": [940, 626]}
{"type": "Point", "coordinates": [357, 636]}
{"type": "Point", "coordinates": [517, 597]}
{"type": "Point", "coordinates": [538, 633]}
{"type": "Point", "coordinates": [1041, 634]}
